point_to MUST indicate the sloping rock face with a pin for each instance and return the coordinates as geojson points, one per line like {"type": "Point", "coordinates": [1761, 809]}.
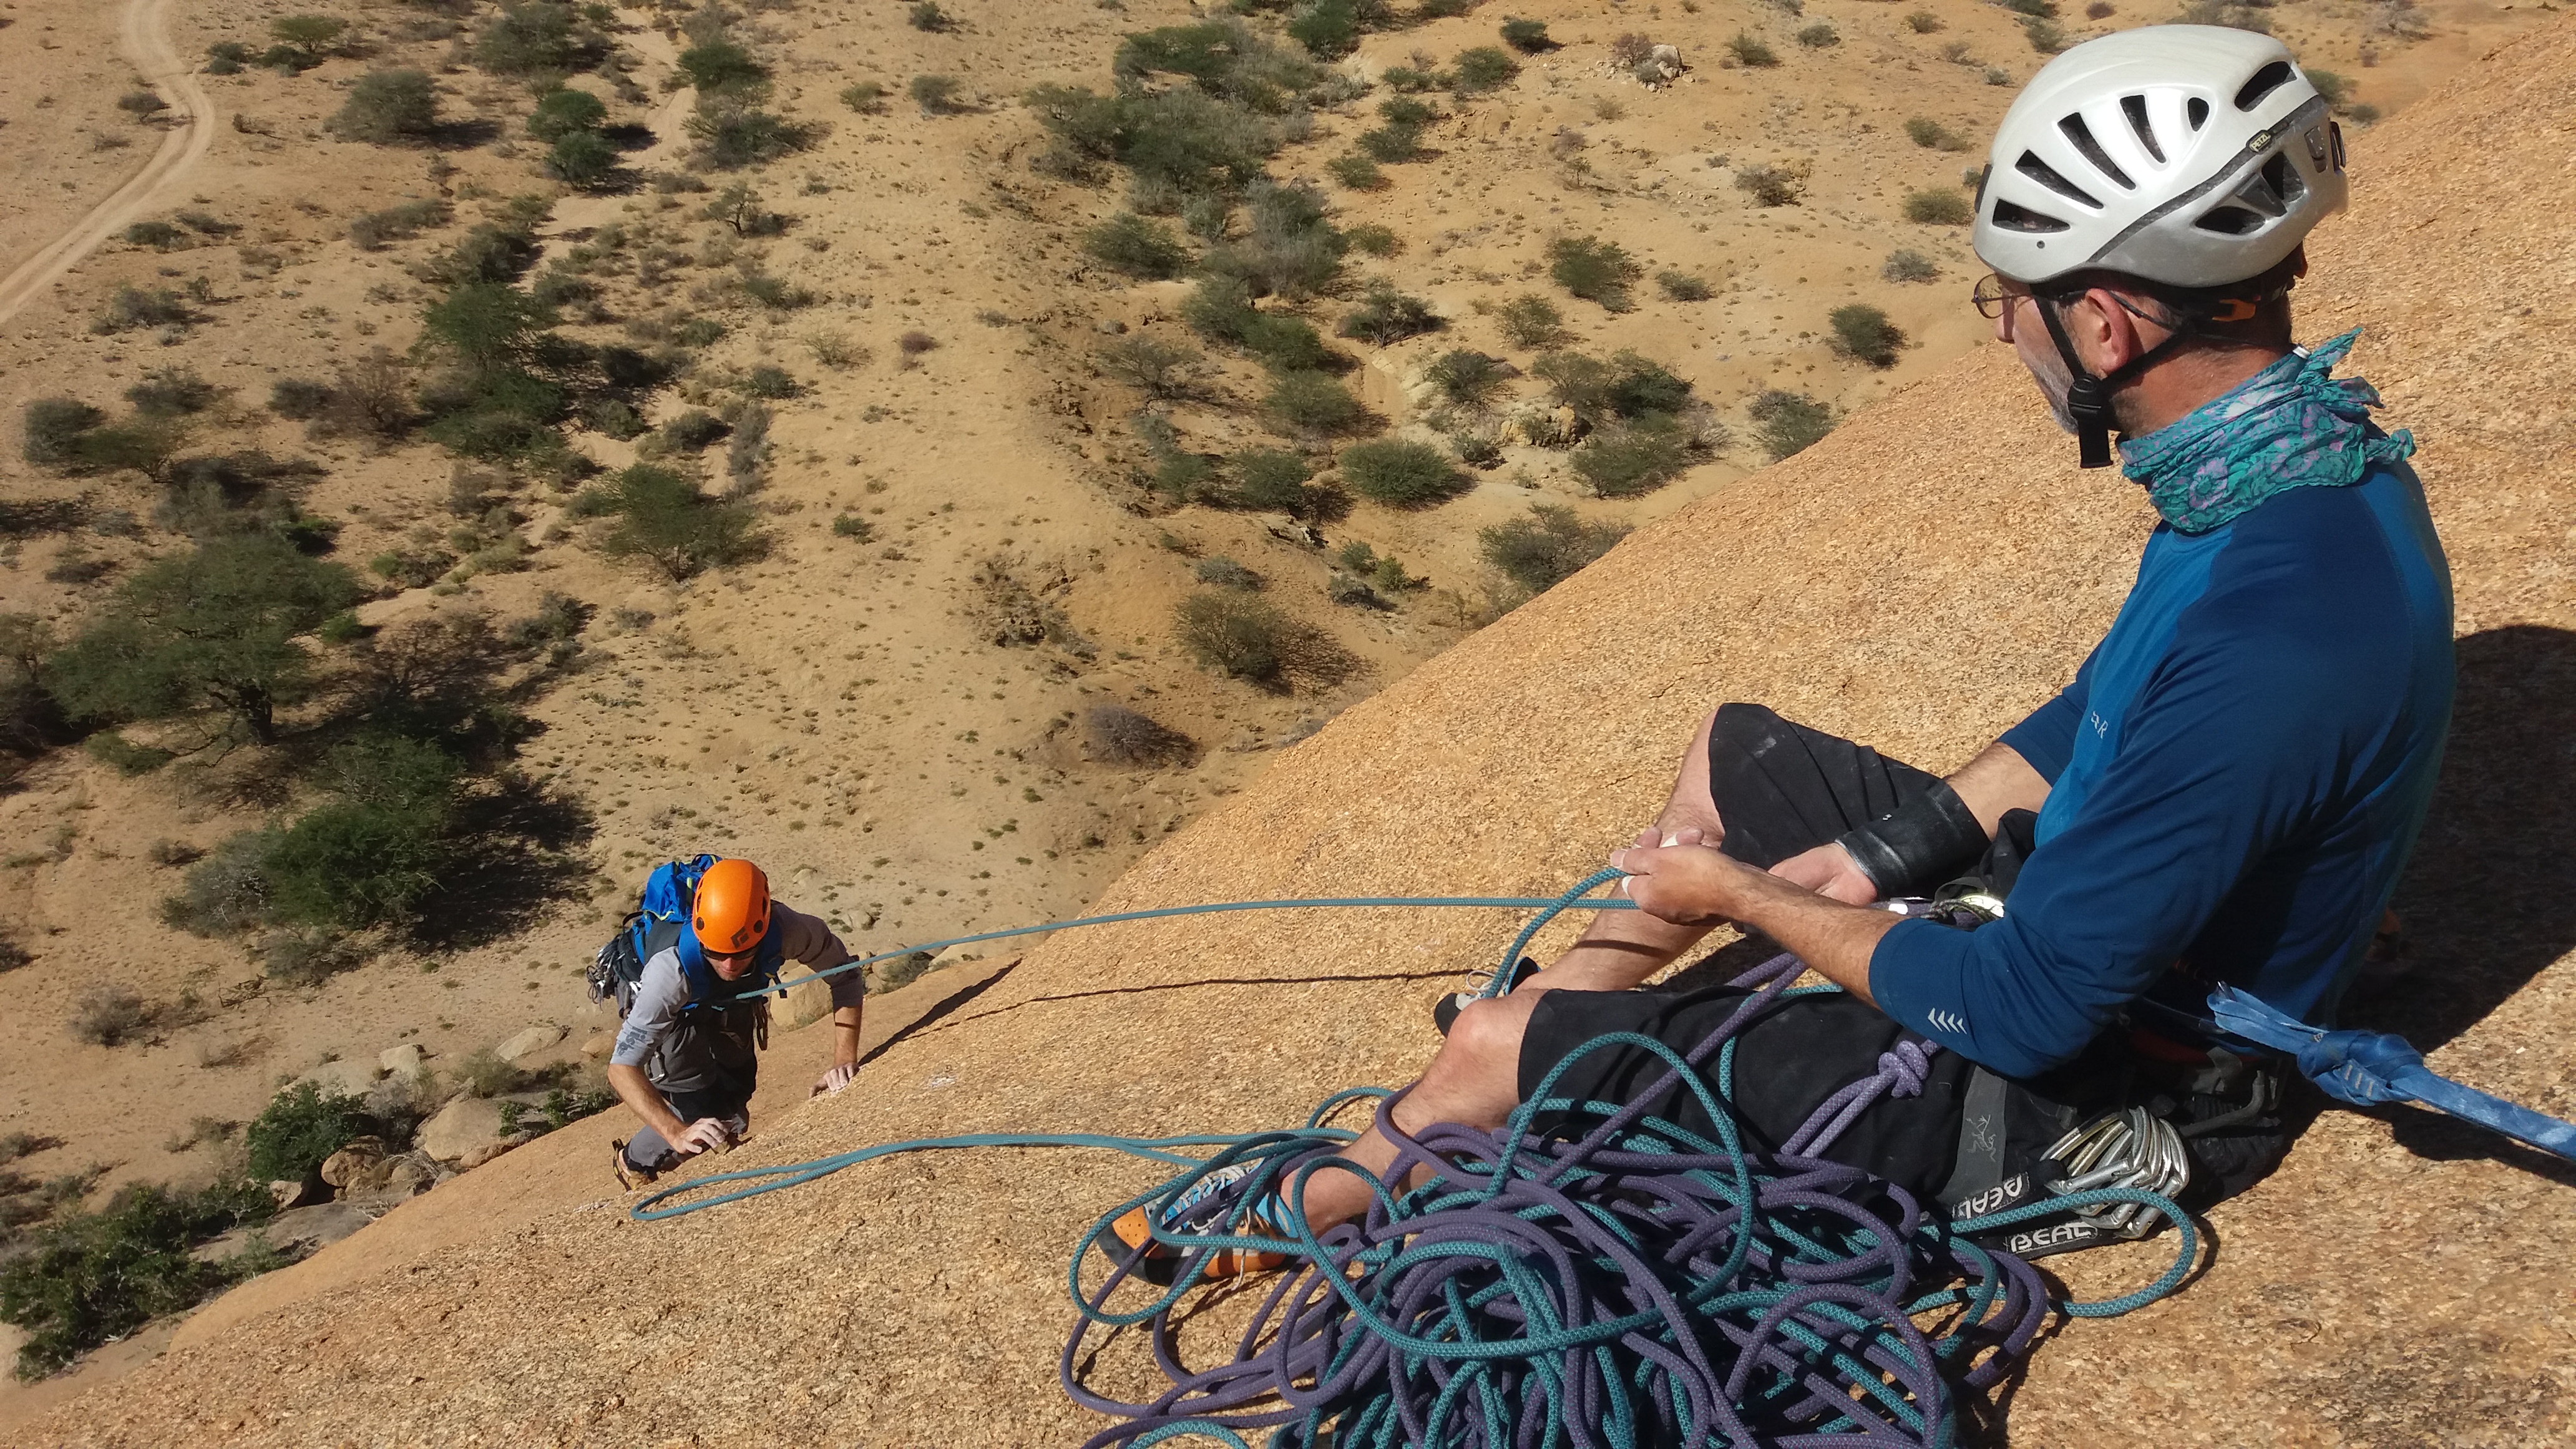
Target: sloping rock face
{"type": "Point", "coordinates": [1917, 581]}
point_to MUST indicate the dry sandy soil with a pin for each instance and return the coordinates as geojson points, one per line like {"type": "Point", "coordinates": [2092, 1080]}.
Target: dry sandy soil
{"type": "Point", "coordinates": [836, 713]}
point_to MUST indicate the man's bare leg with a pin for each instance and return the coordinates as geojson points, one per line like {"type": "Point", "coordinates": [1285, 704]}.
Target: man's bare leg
{"type": "Point", "coordinates": [1474, 1081]}
{"type": "Point", "coordinates": [1622, 948]}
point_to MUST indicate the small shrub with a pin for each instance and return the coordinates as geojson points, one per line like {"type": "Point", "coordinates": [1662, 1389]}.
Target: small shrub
{"type": "Point", "coordinates": [771, 382]}
{"type": "Point", "coordinates": [1595, 270]}
{"type": "Point", "coordinates": [1932, 135]}
{"type": "Point", "coordinates": [298, 1131]}
{"type": "Point", "coordinates": [663, 518]}
{"type": "Point", "coordinates": [1314, 402]}
{"type": "Point", "coordinates": [2099, 10]}
{"type": "Point", "coordinates": [1907, 265]}
{"type": "Point", "coordinates": [1483, 68]}
{"type": "Point", "coordinates": [1923, 22]}
{"type": "Point", "coordinates": [537, 37]}
{"type": "Point", "coordinates": [2362, 112]}
{"type": "Point", "coordinates": [1355, 171]}
{"type": "Point", "coordinates": [1750, 52]}
{"type": "Point", "coordinates": [87, 1279]}
{"type": "Point", "coordinates": [1250, 639]}
{"type": "Point", "coordinates": [584, 159]}
{"type": "Point", "coordinates": [173, 853]}
{"type": "Point", "coordinates": [694, 429]}
{"type": "Point", "coordinates": [1631, 457]}
{"type": "Point", "coordinates": [1267, 479]}
{"type": "Point", "coordinates": [1939, 207]}
{"type": "Point", "coordinates": [161, 236]}
{"type": "Point", "coordinates": [867, 97]}
{"type": "Point", "coordinates": [1162, 369]}
{"type": "Point", "coordinates": [133, 307]}
{"type": "Point", "coordinates": [1140, 248]}
{"type": "Point", "coordinates": [139, 104]}
{"type": "Point", "coordinates": [387, 106]}
{"type": "Point", "coordinates": [1392, 144]}
{"type": "Point", "coordinates": [563, 111]}
{"type": "Point", "coordinates": [1630, 48]}
{"type": "Point", "coordinates": [1530, 320]}
{"type": "Point", "coordinates": [2045, 36]}
{"type": "Point", "coordinates": [1529, 37]}
{"type": "Point", "coordinates": [226, 893]}
{"type": "Point", "coordinates": [854, 528]}
{"type": "Point", "coordinates": [305, 957]}
{"type": "Point", "coordinates": [105, 1015]}
{"type": "Point", "coordinates": [1117, 735]}
{"type": "Point", "coordinates": [732, 136]}
{"type": "Point", "coordinates": [2335, 89]}
{"type": "Point", "coordinates": [1401, 473]}
{"type": "Point", "coordinates": [371, 230]}
{"type": "Point", "coordinates": [1818, 36]}
{"type": "Point", "coordinates": [1864, 333]}
{"type": "Point", "coordinates": [1386, 316]}
{"type": "Point", "coordinates": [1771, 185]}
{"type": "Point", "coordinates": [1329, 29]}
{"type": "Point", "coordinates": [1225, 573]}
{"type": "Point", "coordinates": [926, 15]}
{"type": "Point", "coordinates": [937, 95]}
{"type": "Point", "coordinates": [1682, 287]}
{"type": "Point", "coordinates": [172, 392]}
{"type": "Point", "coordinates": [1789, 422]}
{"type": "Point", "coordinates": [125, 756]}
{"type": "Point", "coordinates": [1546, 548]}
{"type": "Point", "coordinates": [1467, 379]}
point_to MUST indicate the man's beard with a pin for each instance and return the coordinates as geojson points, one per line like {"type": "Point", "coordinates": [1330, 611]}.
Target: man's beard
{"type": "Point", "coordinates": [2055, 380]}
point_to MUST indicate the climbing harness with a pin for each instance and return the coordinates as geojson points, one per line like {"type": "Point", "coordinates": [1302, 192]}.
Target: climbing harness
{"type": "Point", "coordinates": [1594, 1274]}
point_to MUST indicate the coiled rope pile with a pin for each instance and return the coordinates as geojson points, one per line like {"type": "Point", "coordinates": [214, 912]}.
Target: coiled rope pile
{"type": "Point", "coordinates": [1591, 1275]}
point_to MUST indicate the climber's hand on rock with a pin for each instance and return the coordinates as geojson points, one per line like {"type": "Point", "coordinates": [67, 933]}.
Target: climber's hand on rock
{"type": "Point", "coordinates": [707, 1134]}
{"type": "Point", "coordinates": [833, 1081]}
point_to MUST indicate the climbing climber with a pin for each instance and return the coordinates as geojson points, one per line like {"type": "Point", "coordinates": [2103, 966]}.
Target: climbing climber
{"type": "Point", "coordinates": [2224, 795]}
{"type": "Point", "coordinates": [685, 972]}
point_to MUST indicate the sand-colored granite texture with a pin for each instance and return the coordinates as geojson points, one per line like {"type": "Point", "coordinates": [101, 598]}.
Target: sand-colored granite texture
{"type": "Point", "coordinates": [1917, 580]}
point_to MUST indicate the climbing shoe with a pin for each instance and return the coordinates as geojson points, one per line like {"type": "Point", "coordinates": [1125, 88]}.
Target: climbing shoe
{"type": "Point", "coordinates": [1204, 1209]}
{"type": "Point", "coordinates": [629, 1176]}
{"type": "Point", "coordinates": [1444, 1012]}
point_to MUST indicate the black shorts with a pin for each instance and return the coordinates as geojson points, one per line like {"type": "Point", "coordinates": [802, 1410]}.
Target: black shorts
{"type": "Point", "coordinates": [1779, 788]}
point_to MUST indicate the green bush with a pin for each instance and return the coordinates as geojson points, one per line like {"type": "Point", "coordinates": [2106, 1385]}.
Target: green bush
{"type": "Point", "coordinates": [540, 37]}
{"type": "Point", "coordinates": [486, 254]}
{"type": "Point", "coordinates": [133, 307]}
{"type": "Point", "coordinates": [1682, 286]}
{"type": "Point", "coordinates": [161, 236]}
{"type": "Point", "coordinates": [1932, 135]}
{"type": "Point", "coordinates": [90, 1278]}
{"type": "Point", "coordinates": [563, 111]}
{"type": "Point", "coordinates": [1392, 144]}
{"type": "Point", "coordinates": [1138, 247]}
{"type": "Point", "coordinates": [125, 756]}
{"type": "Point", "coordinates": [663, 518]}
{"type": "Point", "coordinates": [1267, 479]}
{"type": "Point", "coordinates": [1748, 51]}
{"type": "Point", "coordinates": [1225, 573]}
{"type": "Point", "coordinates": [1401, 473]}
{"type": "Point", "coordinates": [298, 1131]}
{"type": "Point", "coordinates": [1161, 369]}
{"type": "Point", "coordinates": [226, 893]}
{"type": "Point", "coordinates": [1923, 22]}
{"type": "Point", "coordinates": [926, 15]}
{"type": "Point", "coordinates": [1357, 172]}
{"type": "Point", "coordinates": [1633, 456]}
{"type": "Point", "coordinates": [313, 35]}
{"type": "Point", "coordinates": [1387, 316]}
{"type": "Point", "coordinates": [371, 230]}
{"type": "Point", "coordinates": [1376, 240]}
{"type": "Point", "coordinates": [937, 95]}
{"type": "Point", "coordinates": [1547, 547]}
{"type": "Point", "coordinates": [1314, 402]}
{"type": "Point", "coordinates": [584, 159]}
{"type": "Point", "coordinates": [1529, 37]}
{"type": "Point", "coordinates": [1595, 270]}
{"type": "Point", "coordinates": [1251, 639]}
{"type": "Point", "coordinates": [1908, 265]}
{"type": "Point", "coordinates": [1626, 386]}
{"type": "Point", "coordinates": [1771, 185]}
{"type": "Point", "coordinates": [213, 628]}
{"type": "Point", "coordinates": [865, 97]}
{"type": "Point", "coordinates": [1530, 320]}
{"type": "Point", "coordinates": [1939, 207]}
{"type": "Point", "coordinates": [1467, 379]}
{"type": "Point", "coordinates": [731, 137]}
{"type": "Point", "coordinates": [1789, 422]}
{"type": "Point", "coordinates": [1329, 29]}
{"type": "Point", "coordinates": [369, 857]}
{"type": "Point", "coordinates": [56, 432]}
{"type": "Point", "coordinates": [1482, 69]}
{"type": "Point", "coordinates": [387, 106]}
{"type": "Point", "coordinates": [717, 66]}
{"type": "Point", "coordinates": [1864, 332]}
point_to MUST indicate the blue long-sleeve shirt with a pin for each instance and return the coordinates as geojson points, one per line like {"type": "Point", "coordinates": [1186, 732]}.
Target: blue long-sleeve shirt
{"type": "Point", "coordinates": [2235, 779]}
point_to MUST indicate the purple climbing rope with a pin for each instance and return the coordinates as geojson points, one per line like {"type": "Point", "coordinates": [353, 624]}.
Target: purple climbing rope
{"type": "Point", "coordinates": [1611, 1280]}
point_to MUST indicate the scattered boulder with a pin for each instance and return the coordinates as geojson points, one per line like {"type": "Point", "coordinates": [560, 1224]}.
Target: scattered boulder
{"type": "Point", "coordinates": [459, 1128]}
{"type": "Point", "coordinates": [598, 1044]}
{"type": "Point", "coordinates": [291, 1192]}
{"type": "Point", "coordinates": [486, 1153]}
{"type": "Point", "coordinates": [805, 1004]}
{"type": "Point", "coordinates": [356, 1166]}
{"type": "Point", "coordinates": [407, 1060]}
{"type": "Point", "coordinates": [1662, 66]}
{"type": "Point", "coordinates": [343, 1079]}
{"type": "Point", "coordinates": [1542, 428]}
{"type": "Point", "coordinates": [530, 1042]}
{"type": "Point", "coordinates": [302, 1230]}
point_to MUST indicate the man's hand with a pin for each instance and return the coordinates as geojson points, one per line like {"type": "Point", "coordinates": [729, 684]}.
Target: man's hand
{"type": "Point", "coordinates": [1829, 871]}
{"type": "Point", "coordinates": [831, 1082]}
{"type": "Point", "coordinates": [707, 1134]}
{"type": "Point", "coordinates": [1688, 884]}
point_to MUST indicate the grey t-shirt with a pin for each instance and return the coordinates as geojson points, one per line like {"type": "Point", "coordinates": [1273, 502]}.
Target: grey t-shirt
{"type": "Point", "coordinates": [663, 990]}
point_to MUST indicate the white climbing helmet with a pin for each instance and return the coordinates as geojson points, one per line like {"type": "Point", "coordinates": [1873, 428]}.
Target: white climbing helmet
{"type": "Point", "coordinates": [2192, 155]}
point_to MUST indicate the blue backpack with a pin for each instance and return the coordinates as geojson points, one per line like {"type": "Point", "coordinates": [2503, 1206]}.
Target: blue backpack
{"type": "Point", "coordinates": [659, 922]}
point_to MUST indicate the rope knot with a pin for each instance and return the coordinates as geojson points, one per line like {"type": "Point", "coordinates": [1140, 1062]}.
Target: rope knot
{"type": "Point", "coordinates": [1905, 1068]}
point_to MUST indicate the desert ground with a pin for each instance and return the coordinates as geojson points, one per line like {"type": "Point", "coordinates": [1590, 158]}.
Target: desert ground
{"type": "Point", "coordinates": [888, 708]}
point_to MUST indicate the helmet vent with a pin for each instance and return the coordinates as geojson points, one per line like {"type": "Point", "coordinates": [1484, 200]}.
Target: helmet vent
{"type": "Point", "coordinates": [2267, 80]}
{"type": "Point", "coordinates": [2135, 108]}
{"type": "Point", "coordinates": [2196, 111]}
{"type": "Point", "coordinates": [2046, 175]}
{"type": "Point", "coordinates": [2014, 218]}
{"type": "Point", "coordinates": [2230, 221]}
{"type": "Point", "coordinates": [2080, 136]}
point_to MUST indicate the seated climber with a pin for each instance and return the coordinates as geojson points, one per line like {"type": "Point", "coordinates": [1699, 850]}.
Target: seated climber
{"type": "Point", "coordinates": [687, 1054]}
{"type": "Point", "coordinates": [2225, 793]}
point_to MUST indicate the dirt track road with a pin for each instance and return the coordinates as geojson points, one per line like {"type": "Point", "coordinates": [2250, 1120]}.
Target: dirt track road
{"type": "Point", "coordinates": [146, 44]}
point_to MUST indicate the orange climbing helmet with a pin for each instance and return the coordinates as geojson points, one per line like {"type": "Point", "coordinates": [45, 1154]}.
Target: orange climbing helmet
{"type": "Point", "coordinates": [731, 910]}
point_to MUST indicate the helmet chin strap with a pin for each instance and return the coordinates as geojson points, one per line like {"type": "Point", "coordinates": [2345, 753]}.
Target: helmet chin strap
{"type": "Point", "coordinates": [2088, 398]}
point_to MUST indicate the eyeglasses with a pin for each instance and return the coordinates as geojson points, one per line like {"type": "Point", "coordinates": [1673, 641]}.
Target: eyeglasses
{"type": "Point", "coordinates": [1992, 297]}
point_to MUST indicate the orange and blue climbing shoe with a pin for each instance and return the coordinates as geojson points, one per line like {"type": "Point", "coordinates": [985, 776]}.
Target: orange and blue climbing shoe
{"type": "Point", "coordinates": [1208, 1208]}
